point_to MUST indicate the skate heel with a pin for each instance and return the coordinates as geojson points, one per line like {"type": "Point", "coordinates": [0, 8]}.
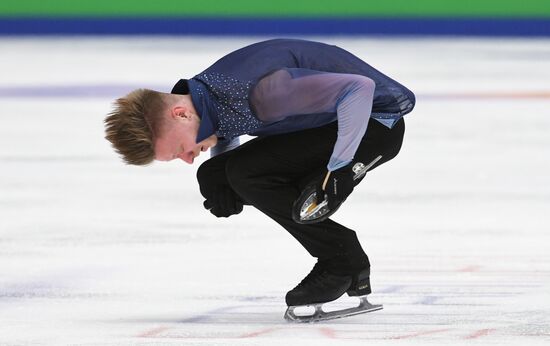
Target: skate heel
{"type": "Point", "coordinates": [360, 285]}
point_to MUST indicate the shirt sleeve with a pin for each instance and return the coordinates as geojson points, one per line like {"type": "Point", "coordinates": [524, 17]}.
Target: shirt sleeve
{"type": "Point", "coordinates": [224, 145]}
{"type": "Point", "coordinates": [297, 91]}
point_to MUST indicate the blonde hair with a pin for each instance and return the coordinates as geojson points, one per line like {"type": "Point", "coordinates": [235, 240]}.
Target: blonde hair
{"type": "Point", "coordinates": [133, 125]}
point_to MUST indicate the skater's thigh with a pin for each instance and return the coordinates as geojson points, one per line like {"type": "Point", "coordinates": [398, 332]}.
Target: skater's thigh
{"type": "Point", "coordinates": [216, 165]}
{"type": "Point", "coordinates": [291, 155]}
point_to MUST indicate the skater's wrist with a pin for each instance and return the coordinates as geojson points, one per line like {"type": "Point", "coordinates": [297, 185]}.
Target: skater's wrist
{"type": "Point", "coordinates": [335, 164]}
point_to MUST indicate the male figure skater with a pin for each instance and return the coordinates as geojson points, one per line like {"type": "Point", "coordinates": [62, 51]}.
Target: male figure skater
{"type": "Point", "coordinates": [321, 116]}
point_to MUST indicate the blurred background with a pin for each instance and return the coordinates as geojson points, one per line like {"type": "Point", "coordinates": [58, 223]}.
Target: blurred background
{"type": "Point", "coordinates": [283, 17]}
{"type": "Point", "coordinates": [95, 252]}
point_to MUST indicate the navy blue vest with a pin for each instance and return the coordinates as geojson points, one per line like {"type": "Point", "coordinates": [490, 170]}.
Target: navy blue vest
{"type": "Point", "coordinates": [220, 94]}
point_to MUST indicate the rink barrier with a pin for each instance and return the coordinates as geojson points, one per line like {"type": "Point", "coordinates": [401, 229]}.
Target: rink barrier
{"type": "Point", "coordinates": [277, 9]}
{"type": "Point", "coordinates": [532, 27]}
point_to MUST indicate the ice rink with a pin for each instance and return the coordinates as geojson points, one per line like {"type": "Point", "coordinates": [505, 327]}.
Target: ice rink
{"type": "Point", "coordinates": [94, 252]}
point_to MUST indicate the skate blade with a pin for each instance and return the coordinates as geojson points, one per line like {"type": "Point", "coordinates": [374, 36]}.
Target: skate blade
{"type": "Point", "coordinates": [320, 315]}
{"type": "Point", "coordinates": [306, 210]}
{"type": "Point", "coordinates": [311, 210]}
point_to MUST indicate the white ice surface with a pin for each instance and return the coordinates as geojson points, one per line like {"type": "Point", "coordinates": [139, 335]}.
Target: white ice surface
{"type": "Point", "coordinates": [457, 227]}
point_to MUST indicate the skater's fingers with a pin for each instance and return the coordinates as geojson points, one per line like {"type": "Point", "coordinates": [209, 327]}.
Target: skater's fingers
{"type": "Point", "coordinates": [221, 199]}
{"type": "Point", "coordinates": [208, 204]}
{"type": "Point", "coordinates": [226, 200]}
{"type": "Point", "coordinates": [331, 203]}
{"type": "Point", "coordinates": [235, 203]}
{"type": "Point", "coordinates": [231, 201]}
{"type": "Point", "coordinates": [218, 212]}
{"type": "Point", "coordinates": [237, 206]}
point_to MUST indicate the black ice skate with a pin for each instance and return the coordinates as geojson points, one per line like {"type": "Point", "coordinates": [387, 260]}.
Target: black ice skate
{"type": "Point", "coordinates": [321, 286]}
{"type": "Point", "coordinates": [307, 209]}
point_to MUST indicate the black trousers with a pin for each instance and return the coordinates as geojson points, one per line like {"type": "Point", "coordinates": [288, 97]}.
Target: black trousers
{"type": "Point", "coordinates": [270, 172]}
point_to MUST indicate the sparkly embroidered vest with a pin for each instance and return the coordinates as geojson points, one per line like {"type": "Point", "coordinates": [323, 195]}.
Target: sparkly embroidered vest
{"type": "Point", "coordinates": [222, 91]}
{"type": "Point", "coordinates": [228, 98]}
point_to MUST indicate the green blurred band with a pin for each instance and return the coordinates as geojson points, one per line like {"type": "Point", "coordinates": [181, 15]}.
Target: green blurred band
{"type": "Point", "coordinates": [279, 8]}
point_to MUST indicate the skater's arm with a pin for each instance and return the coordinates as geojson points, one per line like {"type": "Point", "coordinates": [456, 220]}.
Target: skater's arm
{"type": "Point", "coordinates": [223, 146]}
{"type": "Point", "coordinates": [294, 92]}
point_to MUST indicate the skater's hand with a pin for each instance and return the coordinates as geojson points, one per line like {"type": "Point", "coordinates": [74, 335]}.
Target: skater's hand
{"type": "Point", "coordinates": [223, 202]}
{"type": "Point", "coordinates": [336, 186]}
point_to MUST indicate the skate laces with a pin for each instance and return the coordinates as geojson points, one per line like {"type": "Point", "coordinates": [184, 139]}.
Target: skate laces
{"type": "Point", "coordinates": [314, 275]}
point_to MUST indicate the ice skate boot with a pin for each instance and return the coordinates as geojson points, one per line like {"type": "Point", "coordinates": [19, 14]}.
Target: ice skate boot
{"type": "Point", "coordinates": [321, 286]}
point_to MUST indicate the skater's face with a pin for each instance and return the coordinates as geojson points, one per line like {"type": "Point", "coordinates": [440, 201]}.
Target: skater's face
{"type": "Point", "coordinates": [177, 140]}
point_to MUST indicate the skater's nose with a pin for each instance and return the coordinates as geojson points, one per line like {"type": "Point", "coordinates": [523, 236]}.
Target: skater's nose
{"type": "Point", "coordinates": [187, 157]}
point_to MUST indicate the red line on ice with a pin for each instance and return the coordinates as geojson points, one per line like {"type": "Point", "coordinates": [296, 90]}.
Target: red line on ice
{"type": "Point", "coordinates": [328, 332]}
{"type": "Point", "coordinates": [414, 335]}
{"type": "Point", "coordinates": [258, 333]}
{"type": "Point", "coordinates": [479, 333]}
{"type": "Point", "coordinates": [153, 332]}
{"type": "Point", "coordinates": [469, 269]}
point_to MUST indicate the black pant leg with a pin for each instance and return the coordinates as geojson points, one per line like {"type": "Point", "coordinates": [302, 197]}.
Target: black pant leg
{"type": "Point", "coordinates": [267, 175]}
{"type": "Point", "coordinates": [267, 172]}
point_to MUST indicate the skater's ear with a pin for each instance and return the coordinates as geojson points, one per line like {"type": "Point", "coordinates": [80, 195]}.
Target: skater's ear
{"type": "Point", "coordinates": [180, 112]}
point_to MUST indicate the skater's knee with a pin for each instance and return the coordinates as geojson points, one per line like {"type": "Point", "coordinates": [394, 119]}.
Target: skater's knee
{"type": "Point", "coordinates": [394, 150]}
{"type": "Point", "coordinates": [396, 140]}
{"type": "Point", "coordinates": [204, 171]}
{"type": "Point", "coordinates": [235, 171]}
